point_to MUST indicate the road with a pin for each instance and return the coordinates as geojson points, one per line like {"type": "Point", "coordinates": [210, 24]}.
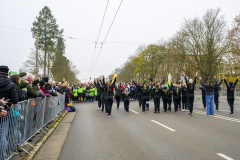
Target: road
{"type": "Point", "coordinates": [149, 136]}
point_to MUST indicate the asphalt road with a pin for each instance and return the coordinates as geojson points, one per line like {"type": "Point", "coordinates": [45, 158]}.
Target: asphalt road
{"type": "Point", "coordinates": [150, 136]}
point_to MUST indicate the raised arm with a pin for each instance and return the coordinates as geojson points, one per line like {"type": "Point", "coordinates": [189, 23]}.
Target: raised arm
{"type": "Point", "coordinates": [162, 82]}
{"type": "Point", "coordinates": [236, 82]}
{"type": "Point", "coordinates": [220, 83]}
{"type": "Point", "coordinates": [103, 80]}
{"type": "Point", "coordinates": [195, 79]}
{"type": "Point", "coordinates": [143, 83]}
{"type": "Point", "coordinates": [203, 84]}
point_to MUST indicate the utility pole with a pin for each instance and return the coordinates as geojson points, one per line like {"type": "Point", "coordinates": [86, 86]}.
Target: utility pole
{"type": "Point", "coordinates": [37, 55]}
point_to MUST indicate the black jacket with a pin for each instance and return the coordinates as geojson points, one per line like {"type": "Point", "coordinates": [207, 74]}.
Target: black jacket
{"type": "Point", "coordinates": [216, 86]}
{"type": "Point", "coordinates": [230, 89]}
{"type": "Point", "coordinates": [8, 89]}
{"type": "Point", "coordinates": [139, 88]}
{"type": "Point", "coordinates": [118, 90]}
{"type": "Point", "coordinates": [209, 90]}
{"type": "Point", "coordinates": [109, 91]}
{"type": "Point", "coordinates": [176, 93]}
{"type": "Point", "coordinates": [22, 94]}
{"type": "Point", "coordinates": [184, 91]}
{"type": "Point", "coordinates": [191, 87]}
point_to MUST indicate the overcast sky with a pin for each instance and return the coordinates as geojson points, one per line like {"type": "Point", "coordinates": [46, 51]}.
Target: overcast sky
{"type": "Point", "coordinates": [138, 21]}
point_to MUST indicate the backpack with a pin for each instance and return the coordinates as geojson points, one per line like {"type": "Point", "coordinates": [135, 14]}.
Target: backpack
{"type": "Point", "coordinates": [72, 108]}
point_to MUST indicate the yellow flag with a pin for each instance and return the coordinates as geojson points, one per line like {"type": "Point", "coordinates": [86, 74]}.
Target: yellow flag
{"type": "Point", "coordinates": [114, 76]}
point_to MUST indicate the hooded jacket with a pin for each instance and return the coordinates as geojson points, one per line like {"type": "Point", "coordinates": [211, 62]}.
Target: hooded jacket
{"type": "Point", "coordinates": [31, 90]}
{"type": "Point", "coordinates": [230, 89]}
{"type": "Point", "coordinates": [22, 94]}
{"type": "Point", "coordinates": [8, 89]}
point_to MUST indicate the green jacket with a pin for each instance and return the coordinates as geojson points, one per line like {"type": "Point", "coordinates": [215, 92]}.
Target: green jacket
{"type": "Point", "coordinates": [31, 90]}
{"type": "Point", "coordinates": [75, 93]}
{"type": "Point", "coordinates": [80, 90]}
{"type": "Point", "coordinates": [95, 91]}
{"type": "Point", "coordinates": [92, 92]}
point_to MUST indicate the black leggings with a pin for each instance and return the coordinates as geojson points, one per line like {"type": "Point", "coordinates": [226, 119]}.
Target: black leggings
{"type": "Point", "coordinates": [179, 102]}
{"type": "Point", "coordinates": [184, 101]}
{"type": "Point", "coordinates": [126, 105]}
{"type": "Point", "coordinates": [190, 103]}
{"type": "Point", "coordinates": [216, 101]}
{"type": "Point", "coordinates": [165, 102]}
{"type": "Point", "coordinates": [176, 102]}
{"type": "Point", "coordinates": [103, 102]}
{"type": "Point", "coordinates": [117, 98]}
{"type": "Point", "coordinates": [156, 104]}
{"type": "Point", "coordinates": [140, 100]}
{"type": "Point", "coordinates": [204, 101]}
{"type": "Point", "coordinates": [144, 99]}
{"type": "Point", "coordinates": [99, 101]}
{"type": "Point", "coordinates": [231, 104]}
{"type": "Point", "coordinates": [169, 104]}
{"type": "Point", "coordinates": [108, 104]}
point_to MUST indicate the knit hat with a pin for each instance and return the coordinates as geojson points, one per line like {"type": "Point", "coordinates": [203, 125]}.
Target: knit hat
{"type": "Point", "coordinates": [23, 76]}
{"type": "Point", "coordinates": [4, 69]}
{"type": "Point", "coordinates": [29, 79]}
{"type": "Point", "coordinates": [45, 79]}
{"type": "Point", "coordinates": [190, 80]}
{"type": "Point", "coordinates": [230, 83]}
{"type": "Point", "coordinates": [41, 83]}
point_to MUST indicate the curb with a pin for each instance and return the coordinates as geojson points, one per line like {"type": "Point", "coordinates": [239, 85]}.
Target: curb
{"type": "Point", "coordinates": [40, 144]}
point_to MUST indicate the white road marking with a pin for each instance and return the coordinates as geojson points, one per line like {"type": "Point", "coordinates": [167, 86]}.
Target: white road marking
{"type": "Point", "coordinates": [163, 125]}
{"type": "Point", "coordinates": [133, 111]}
{"type": "Point", "coordinates": [224, 156]}
{"type": "Point", "coordinates": [218, 116]}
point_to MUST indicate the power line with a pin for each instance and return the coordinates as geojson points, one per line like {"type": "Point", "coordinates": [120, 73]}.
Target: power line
{"type": "Point", "coordinates": [107, 34]}
{"type": "Point", "coordinates": [99, 34]}
{"type": "Point", "coordinates": [15, 28]}
{"type": "Point", "coordinates": [77, 38]}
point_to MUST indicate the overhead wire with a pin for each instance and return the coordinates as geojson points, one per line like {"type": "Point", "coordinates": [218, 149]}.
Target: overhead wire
{"type": "Point", "coordinates": [98, 35]}
{"type": "Point", "coordinates": [77, 38]}
{"type": "Point", "coordinates": [107, 34]}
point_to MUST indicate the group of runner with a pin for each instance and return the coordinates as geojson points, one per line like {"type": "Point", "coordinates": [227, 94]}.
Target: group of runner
{"type": "Point", "coordinates": [181, 94]}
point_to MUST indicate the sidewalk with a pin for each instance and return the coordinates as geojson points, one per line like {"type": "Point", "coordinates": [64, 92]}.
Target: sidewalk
{"type": "Point", "coordinates": [52, 148]}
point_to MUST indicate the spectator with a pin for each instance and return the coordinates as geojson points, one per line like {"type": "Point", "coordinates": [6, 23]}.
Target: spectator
{"type": "Point", "coordinates": [48, 87]}
{"type": "Point", "coordinates": [22, 94]}
{"type": "Point", "coordinates": [42, 88]}
{"type": "Point", "coordinates": [53, 89]}
{"type": "Point", "coordinates": [7, 91]}
{"type": "Point", "coordinates": [31, 88]}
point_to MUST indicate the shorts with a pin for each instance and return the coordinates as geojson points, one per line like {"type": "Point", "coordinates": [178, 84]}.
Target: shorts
{"type": "Point", "coordinates": [80, 94]}
{"type": "Point", "coordinates": [87, 94]}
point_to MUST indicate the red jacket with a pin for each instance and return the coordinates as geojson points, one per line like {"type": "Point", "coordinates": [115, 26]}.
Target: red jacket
{"type": "Point", "coordinates": [43, 90]}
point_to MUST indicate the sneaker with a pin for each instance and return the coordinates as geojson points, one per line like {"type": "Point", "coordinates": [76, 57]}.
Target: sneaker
{"type": "Point", "coordinates": [158, 111]}
{"type": "Point", "coordinates": [216, 110]}
{"type": "Point", "coordinates": [231, 114]}
{"type": "Point", "coordinates": [109, 115]}
{"type": "Point", "coordinates": [143, 111]}
{"type": "Point", "coordinates": [205, 108]}
{"type": "Point", "coordinates": [154, 112]}
{"type": "Point", "coordinates": [175, 112]}
{"type": "Point", "coordinates": [165, 111]}
{"type": "Point", "coordinates": [147, 109]}
{"type": "Point", "coordinates": [19, 148]}
{"type": "Point", "coordinates": [183, 110]}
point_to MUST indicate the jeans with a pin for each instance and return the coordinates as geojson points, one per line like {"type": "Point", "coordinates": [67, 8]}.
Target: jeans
{"type": "Point", "coordinates": [3, 137]}
{"type": "Point", "coordinates": [210, 104]}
